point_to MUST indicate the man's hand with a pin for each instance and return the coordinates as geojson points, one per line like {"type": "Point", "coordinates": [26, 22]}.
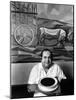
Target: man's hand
{"type": "Point", "coordinates": [32, 87]}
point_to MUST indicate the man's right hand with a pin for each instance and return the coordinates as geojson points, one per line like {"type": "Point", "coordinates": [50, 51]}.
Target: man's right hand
{"type": "Point", "coordinates": [32, 87]}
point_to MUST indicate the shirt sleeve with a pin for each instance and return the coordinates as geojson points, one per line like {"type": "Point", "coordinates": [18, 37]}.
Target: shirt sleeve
{"type": "Point", "coordinates": [60, 74]}
{"type": "Point", "coordinates": [33, 75]}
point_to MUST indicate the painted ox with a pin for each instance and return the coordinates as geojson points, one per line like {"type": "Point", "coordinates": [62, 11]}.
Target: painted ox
{"type": "Point", "coordinates": [51, 34]}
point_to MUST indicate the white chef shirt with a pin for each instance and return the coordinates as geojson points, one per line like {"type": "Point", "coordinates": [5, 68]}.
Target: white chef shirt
{"type": "Point", "coordinates": [38, 72]}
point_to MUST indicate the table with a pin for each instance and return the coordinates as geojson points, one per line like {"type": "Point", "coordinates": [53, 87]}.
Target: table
{"type": "Point", "coordinates": [21, 91]}
{"type": "Point", "coordinates": [38, 92]}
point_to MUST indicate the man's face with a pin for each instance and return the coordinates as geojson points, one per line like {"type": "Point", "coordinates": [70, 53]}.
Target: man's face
{"type": "Point", "coordinates": [46, 59]}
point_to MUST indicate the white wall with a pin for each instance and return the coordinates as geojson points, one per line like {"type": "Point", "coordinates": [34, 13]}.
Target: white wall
{"type": "Point", "coordinates": [20, 72]}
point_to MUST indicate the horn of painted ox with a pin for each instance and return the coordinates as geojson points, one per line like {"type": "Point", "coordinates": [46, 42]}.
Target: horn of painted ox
{"type": "Point", "coordinates": [70, 35]}
{"type": "Point", "coordinates": [62, 34]}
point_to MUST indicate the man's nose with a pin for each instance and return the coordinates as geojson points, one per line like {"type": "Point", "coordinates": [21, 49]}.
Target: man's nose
{"type": "Point", "coordinates": [47, 59]}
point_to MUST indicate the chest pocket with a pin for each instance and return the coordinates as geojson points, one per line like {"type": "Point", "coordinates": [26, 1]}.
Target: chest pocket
{"type": "Point", "coordinates": [52, 73]}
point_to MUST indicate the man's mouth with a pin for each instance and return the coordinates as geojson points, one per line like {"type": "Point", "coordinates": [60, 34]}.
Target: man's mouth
{"type": "Point", "coordinates": [47, 63]}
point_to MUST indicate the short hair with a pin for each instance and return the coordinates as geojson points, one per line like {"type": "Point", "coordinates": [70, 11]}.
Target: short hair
{"type": "Point", "coordinates": [46, 49]}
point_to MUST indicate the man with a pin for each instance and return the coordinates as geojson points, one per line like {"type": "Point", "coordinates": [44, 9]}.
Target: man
{"type": "Point", "coordinates": [46, 68]}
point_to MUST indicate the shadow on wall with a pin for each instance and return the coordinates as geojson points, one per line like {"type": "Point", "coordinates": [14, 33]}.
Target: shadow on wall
{"type": "Point", "coordinates": [20, 71]}
{"type": "Point", "coordinates": [68, 68]}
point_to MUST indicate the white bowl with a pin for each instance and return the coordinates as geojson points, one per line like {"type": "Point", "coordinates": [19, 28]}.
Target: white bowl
{"type": "Point", "coordinates": [48, 84]}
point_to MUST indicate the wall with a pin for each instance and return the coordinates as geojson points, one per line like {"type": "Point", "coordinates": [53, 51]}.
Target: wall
{"type": "Point", "coordinates": [20, 71]}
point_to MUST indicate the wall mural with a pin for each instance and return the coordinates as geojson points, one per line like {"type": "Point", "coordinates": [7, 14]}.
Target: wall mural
{"type": "Point", "coordinates": [34, 28]}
